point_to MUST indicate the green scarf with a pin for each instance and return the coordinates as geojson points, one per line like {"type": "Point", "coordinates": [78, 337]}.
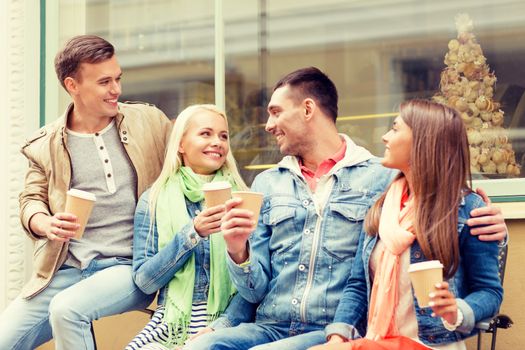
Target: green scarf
{"type": "Point", "coordinates": [171, 216]}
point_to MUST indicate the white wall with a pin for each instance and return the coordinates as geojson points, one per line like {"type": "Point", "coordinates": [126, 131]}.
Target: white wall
{"type": "Point", "coordinates": [19, 115]}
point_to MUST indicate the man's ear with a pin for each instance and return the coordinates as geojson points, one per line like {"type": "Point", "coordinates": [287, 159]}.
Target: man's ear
{"type": "Point", "coordinates": [309, 108]}
{"type": "Point", "coordinates": [71, 85]}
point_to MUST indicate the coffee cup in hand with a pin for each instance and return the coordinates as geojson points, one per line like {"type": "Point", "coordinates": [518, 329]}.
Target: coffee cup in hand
{"type": "Point", "coordinates": [80, 203]}
{"type": "Point", "coordinates": [424, 276]}
{"type": "Point", "coordinates": [216, 193]}
{"type": "Point", "coordinates": [251, 201]}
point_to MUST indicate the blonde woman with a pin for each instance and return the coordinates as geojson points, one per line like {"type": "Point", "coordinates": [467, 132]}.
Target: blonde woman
{"type": "Point", "coordinates": [175, 248]}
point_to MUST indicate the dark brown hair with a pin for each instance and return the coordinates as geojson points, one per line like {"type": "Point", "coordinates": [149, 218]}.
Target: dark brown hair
{"type": "Point", "coordinates": [311, 82]}
{"type": "Point", "coordinates": [81, 49]}
{"type": "Point", "coordinates": [440, 169]}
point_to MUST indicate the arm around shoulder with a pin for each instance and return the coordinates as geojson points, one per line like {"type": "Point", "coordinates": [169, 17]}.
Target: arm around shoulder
{"type": "Point", "coordinates": [481, 277]}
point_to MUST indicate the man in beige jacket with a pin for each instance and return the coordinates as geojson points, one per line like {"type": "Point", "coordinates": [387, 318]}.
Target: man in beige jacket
{"type": "Point", "coordinates": [113, 150]}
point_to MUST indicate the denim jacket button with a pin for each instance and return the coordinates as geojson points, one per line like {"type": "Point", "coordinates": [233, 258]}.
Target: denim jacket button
{"type": "Point", "coordinates": [307, 231]}
{"type": "Point", "coordinates": [305, 202]}
{"type": "Point", "coordinates": [294, 301]}
{"type": "Point", "coordinates": [302, 267]}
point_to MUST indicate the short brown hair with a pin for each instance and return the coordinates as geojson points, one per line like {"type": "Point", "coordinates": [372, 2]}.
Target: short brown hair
{"type": "Point", "coordinates": [311, 82]}
{"type": "Point", "coordinates": [81, 49]}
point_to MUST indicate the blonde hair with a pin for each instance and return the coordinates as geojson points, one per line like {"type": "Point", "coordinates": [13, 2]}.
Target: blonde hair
{"type": "Point", "coordinates": [173, 160]}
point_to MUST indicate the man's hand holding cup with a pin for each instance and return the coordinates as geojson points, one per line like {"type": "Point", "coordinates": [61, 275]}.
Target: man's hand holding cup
{"type": "Point", "coordinates": [240, 220]}
{"type": "Point", "coordinates": [60, 227]}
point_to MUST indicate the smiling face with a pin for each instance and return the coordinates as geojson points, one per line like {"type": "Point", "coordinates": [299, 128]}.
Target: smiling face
{"type": "Point", "coordinates": [398, 146]}
{"type": "Point", "coordinates": [96, 88]}
{"type": "Point", "coordinates": [286, 122]}
{"type": "Point", "coordinates": [204, 145]}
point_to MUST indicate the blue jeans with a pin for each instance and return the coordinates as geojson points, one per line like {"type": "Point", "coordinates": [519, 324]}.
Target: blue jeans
{"type": "Point", "coordinates": [65, 309]}
{"type": "Point", "coordinates": [256, 337]}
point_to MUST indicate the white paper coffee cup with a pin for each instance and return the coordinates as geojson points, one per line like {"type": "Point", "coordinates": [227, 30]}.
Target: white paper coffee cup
{"type": "Point", "coordinates": [216, 193]}
{"type": "Point", "coordinates": [424, 276]}
{"type": "Point", "coordinates": [80, 203]}
{"type": "Point", "coordinates": [251, 201]}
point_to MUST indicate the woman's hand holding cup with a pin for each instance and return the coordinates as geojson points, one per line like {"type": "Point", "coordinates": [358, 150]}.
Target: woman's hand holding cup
{"type": "Point", "coordinates": [209, 220]}
{"type": "Point", "coordinates": [443, 303]}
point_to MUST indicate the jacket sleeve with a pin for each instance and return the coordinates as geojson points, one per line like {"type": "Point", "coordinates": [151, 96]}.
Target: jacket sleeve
{"type": "Point", "coordinates": [480, 263]}
{"type": "Point", "coordinates": [252, 277]}
{"type": "Point", "coordinates": [153, 269]}
{"type": "Point", "coordinates": [238, 311]}
{"type": "Point", "coordinates": [34, 197]}
{"type": "Point", "coordinates": [351, 313]}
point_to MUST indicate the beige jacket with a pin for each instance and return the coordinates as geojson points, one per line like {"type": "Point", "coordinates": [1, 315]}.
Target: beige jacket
{"type": "Point", "coordinates": [144, 131]}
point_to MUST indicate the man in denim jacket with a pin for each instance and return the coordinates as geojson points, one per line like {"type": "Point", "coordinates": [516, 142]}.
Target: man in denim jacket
{"type": "Point", "coordinates": [299, 258]}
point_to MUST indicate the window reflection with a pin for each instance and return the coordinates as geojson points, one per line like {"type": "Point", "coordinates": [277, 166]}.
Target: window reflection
{"type": "Point", "coordinates": [379, 53]}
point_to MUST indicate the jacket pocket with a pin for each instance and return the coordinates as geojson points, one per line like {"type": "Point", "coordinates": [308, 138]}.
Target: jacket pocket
{"type": "Point", "coordinates": [280, 219]}
{"type": "Point", "coordinates": [342, 236]}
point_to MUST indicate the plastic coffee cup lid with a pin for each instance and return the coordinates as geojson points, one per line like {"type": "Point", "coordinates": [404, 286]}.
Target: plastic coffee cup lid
{"type": "Point", "coordinates": [217, 185]}
{"type": "Point", "coordinates": [425, 265]}
{"type": "Point", "coordinates": [82, 194]}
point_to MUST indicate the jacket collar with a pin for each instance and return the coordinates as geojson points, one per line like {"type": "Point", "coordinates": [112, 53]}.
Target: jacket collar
{"type": "Point", "coordinates": [354, 155]}
{"type": "Point", "coordinates": [62, 121]}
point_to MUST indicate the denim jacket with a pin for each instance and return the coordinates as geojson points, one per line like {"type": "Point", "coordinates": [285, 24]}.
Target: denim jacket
{"type": "Point", "coordinates": [153, 269]}
{"type": "Point", "coordinates": [302, 250]}
{"type": "Point", "coordinates": [475, 284]}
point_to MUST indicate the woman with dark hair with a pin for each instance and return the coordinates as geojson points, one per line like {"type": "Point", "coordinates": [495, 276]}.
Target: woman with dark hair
{"type": "Point", "coordinates": [420, 217]}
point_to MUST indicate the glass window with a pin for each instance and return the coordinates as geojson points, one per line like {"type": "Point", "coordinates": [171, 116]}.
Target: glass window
{"type": "Point", "coordinates": [379, 53]}
{"type": "Point", "coordinates": [165, 48]}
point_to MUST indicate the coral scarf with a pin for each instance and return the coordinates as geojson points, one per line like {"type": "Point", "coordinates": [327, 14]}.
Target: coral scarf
{"type": "Point", "coordinates": [395, 228]}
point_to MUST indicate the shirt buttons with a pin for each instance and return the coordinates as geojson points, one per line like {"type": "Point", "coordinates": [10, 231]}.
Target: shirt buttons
{"type": "Point", "coordinates": [294, 301]}
{"type": "Point", "coordinates": [106, 160]}
{"type": "Point", "coordinates": [417, 254]}
{"type": "Point", "coordinates": [124, 132]}
{"type": "Point", "coordinates": [101, 147]}
{"type": "Point", "coordinates": [97, 134]}
{"type": "Point", "coordinates": [124, 138]}
{"type": "Point", "coordinates": [302, 267]}
{"type": "Point", "coordinates": [109, 175]}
